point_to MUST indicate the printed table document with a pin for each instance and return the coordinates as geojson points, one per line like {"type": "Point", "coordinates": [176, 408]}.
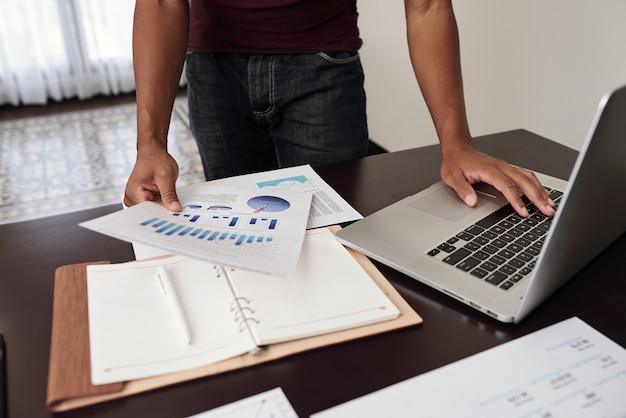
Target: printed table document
{"type": "Point", "coordinates": [234, 226]}
{"type": "Point", "coordinates": [566, 370]}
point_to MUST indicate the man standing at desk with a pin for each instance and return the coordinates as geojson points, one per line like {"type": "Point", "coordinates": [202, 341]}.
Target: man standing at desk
{"type": "Point", "coordinates": [279, 83]}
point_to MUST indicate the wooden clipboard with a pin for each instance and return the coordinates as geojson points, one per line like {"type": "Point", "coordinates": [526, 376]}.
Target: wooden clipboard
{"type": "Point", "coordinates": [69, 373]}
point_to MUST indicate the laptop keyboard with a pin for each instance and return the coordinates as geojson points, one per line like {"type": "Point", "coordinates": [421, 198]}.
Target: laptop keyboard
{"type": "Point", "coordinates": [501, 248]}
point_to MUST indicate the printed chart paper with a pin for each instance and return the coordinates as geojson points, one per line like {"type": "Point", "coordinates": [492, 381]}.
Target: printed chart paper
{"type": "Point", "coordinates": [234, 226]}
{"type": "Point", "coordinates": [566, 370]}
{"type": "Point", "coordinates": [327, 206]}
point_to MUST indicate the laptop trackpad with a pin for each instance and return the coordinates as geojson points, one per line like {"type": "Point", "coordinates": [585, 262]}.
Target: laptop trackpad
{"type": "Point", "coordinates": [446, 204]}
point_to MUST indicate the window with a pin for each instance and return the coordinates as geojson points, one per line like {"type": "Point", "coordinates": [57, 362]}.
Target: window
{"type": "Point", "coordinates": [57, 49]}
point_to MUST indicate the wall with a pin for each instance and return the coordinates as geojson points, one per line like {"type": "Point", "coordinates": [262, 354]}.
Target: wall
{"type": "Point", "coordinates": [542, 65]}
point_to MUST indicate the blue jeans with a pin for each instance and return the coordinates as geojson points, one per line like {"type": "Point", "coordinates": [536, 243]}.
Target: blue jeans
{"type": "Point", "coordinates": [251, 113]}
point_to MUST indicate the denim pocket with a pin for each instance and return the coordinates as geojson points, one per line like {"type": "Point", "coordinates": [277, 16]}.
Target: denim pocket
{"type": "Point", "coordinates": [339, 57]}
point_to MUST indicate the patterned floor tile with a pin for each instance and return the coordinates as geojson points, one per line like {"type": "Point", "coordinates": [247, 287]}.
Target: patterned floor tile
{"type": "Point", "coordinates": [77, 160]}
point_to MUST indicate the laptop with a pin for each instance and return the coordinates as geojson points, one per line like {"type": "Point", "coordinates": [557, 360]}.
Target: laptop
{"type": "Point", "coordinates": [490, 258]}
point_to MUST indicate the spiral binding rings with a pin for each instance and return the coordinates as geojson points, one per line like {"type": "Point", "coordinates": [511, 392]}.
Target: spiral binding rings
{"type": "Point", "coordinates": [242, 312]}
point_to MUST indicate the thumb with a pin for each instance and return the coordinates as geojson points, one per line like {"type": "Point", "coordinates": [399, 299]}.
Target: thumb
{"type": "Point", "coordinates": [169, 196]}
{"type": "Point", "coordinates": [463, 189]}
{"type": "Point", "coordinates": [170, 201]}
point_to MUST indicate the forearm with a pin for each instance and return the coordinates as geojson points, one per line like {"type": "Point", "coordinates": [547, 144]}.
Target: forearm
{"type": "Point", "coordinates": [160, 34]}
{"type": "Point", "coordinates": [434, 50]}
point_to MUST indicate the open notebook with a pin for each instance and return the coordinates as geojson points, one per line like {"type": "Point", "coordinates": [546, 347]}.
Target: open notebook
{"type": "Point", "coordinates": [133, 333]}
{"type": "Point", "coordinates": [287, 310]}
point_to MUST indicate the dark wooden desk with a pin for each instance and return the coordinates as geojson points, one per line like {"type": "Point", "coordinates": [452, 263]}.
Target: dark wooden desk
{"type": "Point", "coordinates": [30, 251]}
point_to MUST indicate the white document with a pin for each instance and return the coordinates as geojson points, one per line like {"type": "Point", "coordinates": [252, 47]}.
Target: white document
{"type": "Point", "coordinates": [327, 206]}
{"type": "Point", "coordinates": [270, 404]}
{"type": "Point", "coordinates": [229, 225]}
{"type": "Point", "coordinates": [566, 370]}
{"type": "Point", "coordinates": [135, 333]}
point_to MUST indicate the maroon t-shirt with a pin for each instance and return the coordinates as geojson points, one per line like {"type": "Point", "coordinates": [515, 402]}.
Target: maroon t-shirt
{"type": "Point", "coordinates": [273, 26]}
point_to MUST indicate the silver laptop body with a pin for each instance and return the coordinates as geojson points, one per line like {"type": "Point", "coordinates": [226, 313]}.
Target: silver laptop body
{"type": "Point", "coordinates": [589, 217]}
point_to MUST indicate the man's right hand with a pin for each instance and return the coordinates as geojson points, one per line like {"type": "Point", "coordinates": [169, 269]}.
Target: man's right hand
{"type": "Point", "coordinates": [153, 177]}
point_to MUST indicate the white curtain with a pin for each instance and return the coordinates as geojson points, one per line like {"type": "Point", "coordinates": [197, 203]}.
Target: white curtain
{"type": "Point", "coordinates": [59, 49]}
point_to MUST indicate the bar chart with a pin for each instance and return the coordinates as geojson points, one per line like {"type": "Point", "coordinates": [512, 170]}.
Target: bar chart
{"type": "Point", "coordinates": [236, 234]}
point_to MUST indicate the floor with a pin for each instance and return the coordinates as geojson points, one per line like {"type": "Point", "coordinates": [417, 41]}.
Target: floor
{"type": "Point", "coordinates": [75, 155]}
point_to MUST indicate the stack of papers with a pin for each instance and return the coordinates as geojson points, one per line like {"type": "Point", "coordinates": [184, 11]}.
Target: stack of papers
{"type": "Point", "coordinates": [254, 222]}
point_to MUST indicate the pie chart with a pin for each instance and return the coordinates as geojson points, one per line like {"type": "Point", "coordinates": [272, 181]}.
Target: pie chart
{"type": "Point", "coordinates": [268, 204]}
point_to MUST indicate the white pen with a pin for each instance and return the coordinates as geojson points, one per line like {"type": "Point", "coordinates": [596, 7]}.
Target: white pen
{"type": "Point", "coordinates": [172, 297]}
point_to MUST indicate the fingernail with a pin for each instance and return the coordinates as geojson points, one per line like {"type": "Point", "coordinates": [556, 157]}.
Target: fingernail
{"type": "Point", "coordinates": [470, 200]}
{"type": "Point", "coordinates": [524, 212]}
